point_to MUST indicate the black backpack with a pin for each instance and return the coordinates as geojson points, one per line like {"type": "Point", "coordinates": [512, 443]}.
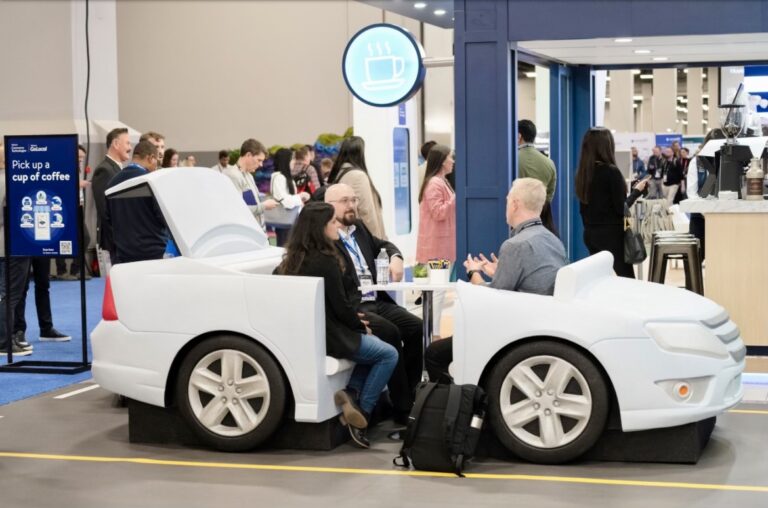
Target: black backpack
{"type": "Point", "coordinates": [443, 427]}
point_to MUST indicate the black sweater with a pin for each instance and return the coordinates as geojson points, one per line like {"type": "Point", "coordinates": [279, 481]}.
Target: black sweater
{"type": "Point", "coordinates": [607, 197]}
{"type": "Point", "coordinates": [343, 327]}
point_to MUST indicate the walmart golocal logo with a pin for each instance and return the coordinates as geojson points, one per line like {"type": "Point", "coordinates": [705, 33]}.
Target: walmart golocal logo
{"type": "Point", "coordinates": [382, 65]}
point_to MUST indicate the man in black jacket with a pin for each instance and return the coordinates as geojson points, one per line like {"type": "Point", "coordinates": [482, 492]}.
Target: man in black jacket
{"type": "Point", "coordinates": [118, 152]}
{"type": "Point", "coordinates": [388, 321]}
{"type": "Point", "coordinates": [139, 228]}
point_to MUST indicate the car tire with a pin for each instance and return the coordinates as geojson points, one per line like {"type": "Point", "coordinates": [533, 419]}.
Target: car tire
{"type": "Point", "coordinates": [231, 393]}
{"type": "Point", "coordinates": [548, 402]}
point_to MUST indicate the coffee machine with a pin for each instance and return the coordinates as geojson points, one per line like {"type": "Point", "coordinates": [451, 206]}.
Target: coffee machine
{"type": "Point", "coordinates": [732, 157]}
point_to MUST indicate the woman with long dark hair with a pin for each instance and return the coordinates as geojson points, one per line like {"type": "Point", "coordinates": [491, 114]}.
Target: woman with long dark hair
{"type": "Point", "coordinates": [311, 252]}
{"type": "Point", "coordinates": [170, 158]}
{"type": "Point", "coordinates": [437, 218]}
{"type": "Point", "coordinates": [350, 168]}
{"type": "Point", "coordinates": [602, 193]}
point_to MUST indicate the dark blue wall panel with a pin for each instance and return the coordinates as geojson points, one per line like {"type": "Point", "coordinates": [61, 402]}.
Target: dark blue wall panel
{"type": "Point", "coordinates": [586, 19]}
{"type": "Point", "coordinates": [482, 82]}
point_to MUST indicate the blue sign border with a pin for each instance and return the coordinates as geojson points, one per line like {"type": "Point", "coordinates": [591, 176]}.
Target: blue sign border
{"type": "Point", "coordinates": [421, 73]}
{"type": "Point", "coordinates": [73, 198]}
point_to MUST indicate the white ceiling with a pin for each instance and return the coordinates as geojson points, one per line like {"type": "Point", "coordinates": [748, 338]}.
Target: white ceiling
{"type": "Point", "coordinates": [679, 49]}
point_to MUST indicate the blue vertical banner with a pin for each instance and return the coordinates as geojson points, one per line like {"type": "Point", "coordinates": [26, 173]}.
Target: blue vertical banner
{"type": "Point", "coordinates": [42, 195]}
{"type": "Point", "coordinates": [401, 142]}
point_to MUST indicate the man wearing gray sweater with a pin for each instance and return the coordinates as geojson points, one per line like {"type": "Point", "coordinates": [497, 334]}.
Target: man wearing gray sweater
{"type": "Point", "coordinates": [528, 261]}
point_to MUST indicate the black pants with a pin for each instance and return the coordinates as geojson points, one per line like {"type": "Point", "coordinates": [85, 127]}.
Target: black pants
{"type": "Point", "coordinates": [19, 270]}
{"type": "Point", "coordinates": [41, 272]}
{"type": "Point", "coordinates": [437, 359]}
{"type": "Point", "coordinates": [398, 327]}
{"type": "Point", "coordinates": [609, 237]}
{"type": "Point", "coordinates": [281, 236]}
{"type": "Point", "coordinates": [547, 219]}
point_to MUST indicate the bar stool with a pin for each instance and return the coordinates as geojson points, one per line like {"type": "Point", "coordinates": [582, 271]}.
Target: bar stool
{"type": "Point", "coordinates": [677, 247]}
{"type": "Point", "coordinates": [664, 236]}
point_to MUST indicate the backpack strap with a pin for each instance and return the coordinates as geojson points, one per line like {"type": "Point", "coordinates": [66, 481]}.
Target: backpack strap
{"type": "Point", "coordinates": [449, 424]}
{"type": "Point", "coordinates": [413, 424]}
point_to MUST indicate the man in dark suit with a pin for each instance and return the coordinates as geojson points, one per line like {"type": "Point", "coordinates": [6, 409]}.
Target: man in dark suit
{"type": "Point", "coordinates": [387, 320]}
{"type": "Point", "coordinates": [118, 152]}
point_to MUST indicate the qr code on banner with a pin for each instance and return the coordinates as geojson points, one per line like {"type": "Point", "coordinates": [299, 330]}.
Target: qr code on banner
{"type": "Point", "coordinates": [65, 248]}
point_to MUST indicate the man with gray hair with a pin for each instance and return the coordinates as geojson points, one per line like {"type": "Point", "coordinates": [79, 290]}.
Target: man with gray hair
{"type": "Point", "coordinates": [528, 261]}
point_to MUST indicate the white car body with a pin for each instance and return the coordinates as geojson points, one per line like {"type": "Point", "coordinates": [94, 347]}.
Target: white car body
{"type": "Point", "coordinates": [647, 338]}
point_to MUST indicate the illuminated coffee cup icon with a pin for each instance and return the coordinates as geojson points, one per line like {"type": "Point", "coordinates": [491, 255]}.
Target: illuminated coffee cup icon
{"type": "Point", "coordinates": [383, 71]}
{"type": "Point", "coordinates": [42, 198]}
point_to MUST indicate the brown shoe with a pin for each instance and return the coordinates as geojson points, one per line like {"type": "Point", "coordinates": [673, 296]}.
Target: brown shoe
{"type": "Point", "coordinates": [352, 414]}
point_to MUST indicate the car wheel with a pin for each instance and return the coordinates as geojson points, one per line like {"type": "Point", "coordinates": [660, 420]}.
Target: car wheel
{"type": "Point", "coordinates": [231, 392]}
{"type": "Point", "coordinates": [548, 402]}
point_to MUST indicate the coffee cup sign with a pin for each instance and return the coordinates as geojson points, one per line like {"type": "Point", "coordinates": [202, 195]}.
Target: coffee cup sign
{"type": "Point", "coordinates": [382, 65]}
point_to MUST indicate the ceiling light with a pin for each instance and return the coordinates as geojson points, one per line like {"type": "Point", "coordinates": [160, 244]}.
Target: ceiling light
{"type": "Point", "coordinates": [637, 97]}
{"type": "Point", "coordinates": [622, 40]}
{"type": "Point", "coordinates": [439, 12]}
{"type": "Point", "coordinates": [607, 78]}
{"type": "Point", "coordinates": [660, 58]}
{"type": "Point", "coordinates": [634, 106]}
{"type": "Point", "coordinates": [635, 71]}
{"type": "Point", "coordinates": [703, 76]}
{"type": "Point", "coordinates": [685, 71]}
{"type": "Point", "coordinates": [685, 122]}
{"type": "Point", "coordinates": [607, 99]}
{"type": "Point", "coordinates": [704, 122]}
{"type": "Point", "coordinates": [642, 51]}
{"type": "Point", "coordinates": [705, 96]}
{"type": "Point", "coordinates": [705, 107]}
{"type": "Point", "coordinates": [530, 74]}
{"type": "Point", "coordinates": [419, 5]}
{"type": "Point", "coordinates": [646, 76]}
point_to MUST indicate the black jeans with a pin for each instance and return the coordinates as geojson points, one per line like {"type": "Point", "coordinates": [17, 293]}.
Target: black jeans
{"type": "Point", "coordinates": [398, 327]}
{"type": "Point", "coordinates": [437, 359]}
{"type": "Point", "coordinates": [41, 271]}
{"type": "Point", "coordinates": [609, 237]}
{"type": "Point", "coordinates": [19, 270]}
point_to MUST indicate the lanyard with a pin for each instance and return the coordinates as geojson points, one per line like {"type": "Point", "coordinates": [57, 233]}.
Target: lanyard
{"type": "Point", "coordinates": [354, 249]}
{"type": "Point", "coordinates": [530, 225]}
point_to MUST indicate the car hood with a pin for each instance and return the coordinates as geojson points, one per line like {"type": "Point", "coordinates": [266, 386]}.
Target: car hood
{"type": "Point", "coordinates": [592, 280]}
{"type": "Point", "coordinates": [204, 212]}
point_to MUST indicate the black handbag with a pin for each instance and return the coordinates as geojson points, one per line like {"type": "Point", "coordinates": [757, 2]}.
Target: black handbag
{"type": "Point", "coordinates": [634, 247]}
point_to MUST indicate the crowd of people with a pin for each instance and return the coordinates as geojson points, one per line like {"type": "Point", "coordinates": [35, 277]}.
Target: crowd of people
{"type": "Point", "coordinates": [340, 231]}
{"type": "Point", "coordinates": [666, 170]}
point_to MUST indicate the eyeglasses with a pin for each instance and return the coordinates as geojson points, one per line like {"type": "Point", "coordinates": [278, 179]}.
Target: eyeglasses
{"type": "Point", "coordinates": [347, 201]}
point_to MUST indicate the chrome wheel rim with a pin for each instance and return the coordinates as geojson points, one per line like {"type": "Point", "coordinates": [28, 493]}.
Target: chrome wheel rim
{"type": "Point", "coordinates": [545, 402]}
{"type": "Point", "coordinates": [229, 393]}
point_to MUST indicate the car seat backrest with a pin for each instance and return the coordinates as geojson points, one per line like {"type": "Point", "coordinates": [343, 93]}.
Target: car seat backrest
{"type": "Point", "coordinates": [574, 278]}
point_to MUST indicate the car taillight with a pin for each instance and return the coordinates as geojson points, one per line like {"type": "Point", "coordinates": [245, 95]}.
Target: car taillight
{"type": "Point", "coordinates": [108, 310]}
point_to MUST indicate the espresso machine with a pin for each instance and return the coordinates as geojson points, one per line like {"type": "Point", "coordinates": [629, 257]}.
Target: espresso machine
{"type": "Point", "coordinates": [732, 158]}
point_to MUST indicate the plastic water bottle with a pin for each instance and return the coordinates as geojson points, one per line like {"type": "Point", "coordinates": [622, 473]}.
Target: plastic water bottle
{"type": "Point", "coordinates": [382, 267]}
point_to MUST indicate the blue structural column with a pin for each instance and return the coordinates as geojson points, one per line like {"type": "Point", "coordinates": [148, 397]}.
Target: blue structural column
{"type": "Point", "coordinates": [559, 148]}
{"type": "Point", "coordinates": [582, 119]}
{"type": "Point", "coordinates": [486, 155]}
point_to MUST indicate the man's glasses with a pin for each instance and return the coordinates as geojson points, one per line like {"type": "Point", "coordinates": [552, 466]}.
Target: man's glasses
{"type": "Point", "coordinates": [347, 201]}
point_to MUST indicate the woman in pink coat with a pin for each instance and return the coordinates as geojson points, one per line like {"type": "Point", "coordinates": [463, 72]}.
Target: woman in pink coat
{"type": "Point", "coordinates": [437, 219]}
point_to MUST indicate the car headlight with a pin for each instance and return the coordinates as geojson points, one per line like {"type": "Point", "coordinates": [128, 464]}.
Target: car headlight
{"type": "Point", "coordinates": [689, 338]}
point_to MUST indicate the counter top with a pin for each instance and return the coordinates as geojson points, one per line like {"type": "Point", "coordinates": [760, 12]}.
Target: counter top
{"type": "Point", "coordinates": [706, 206]}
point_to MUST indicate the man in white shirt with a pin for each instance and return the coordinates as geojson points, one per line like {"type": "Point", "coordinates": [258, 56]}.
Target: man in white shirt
{"type": "Point", "coordinates": [223, 162]}
{"type": "Point", "coordinates": [252, 156]}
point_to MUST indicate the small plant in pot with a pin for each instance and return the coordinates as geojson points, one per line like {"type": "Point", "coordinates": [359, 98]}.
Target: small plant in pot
{"type": "Point", "coordinates": [420, 273]}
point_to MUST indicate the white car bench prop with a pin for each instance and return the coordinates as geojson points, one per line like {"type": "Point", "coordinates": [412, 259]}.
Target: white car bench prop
{"type": "Point", "coordinates": [236, 349]}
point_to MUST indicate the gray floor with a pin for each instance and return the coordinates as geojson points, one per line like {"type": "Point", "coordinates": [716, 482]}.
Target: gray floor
{"type": "Point", "coordinates": [82, 439]}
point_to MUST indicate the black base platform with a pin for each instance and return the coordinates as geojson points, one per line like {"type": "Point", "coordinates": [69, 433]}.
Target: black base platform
{"type": "Point", "coordinates": [674, 445]}
{"type": "Point", "coordinates": [156, 425]}
{"type": "Point", "coordinates": [681, 445]}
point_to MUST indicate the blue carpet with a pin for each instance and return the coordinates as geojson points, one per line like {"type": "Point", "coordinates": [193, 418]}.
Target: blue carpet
{"type": "Point", "coordinates": [65, 302]}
